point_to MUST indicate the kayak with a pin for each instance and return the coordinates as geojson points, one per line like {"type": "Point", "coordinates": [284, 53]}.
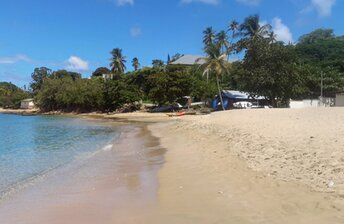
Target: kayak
{"type": "Point", "coordinates": [177, 114]}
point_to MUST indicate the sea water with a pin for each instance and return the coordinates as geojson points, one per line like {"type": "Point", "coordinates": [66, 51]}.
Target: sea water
{"type": "Point", "coordinates": [33, 146]}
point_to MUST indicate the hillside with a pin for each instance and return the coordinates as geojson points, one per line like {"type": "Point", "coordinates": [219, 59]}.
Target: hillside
{"type": "Point", "coordinates": [11, 95]}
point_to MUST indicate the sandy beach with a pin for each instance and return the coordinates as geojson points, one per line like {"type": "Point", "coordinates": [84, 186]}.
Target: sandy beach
{"type": "Point", "coordinates": [243, 166]}
{"type": "Point", "coordinates": [254, 166]}
{"type": "Point", "coordinates": [114, 185]}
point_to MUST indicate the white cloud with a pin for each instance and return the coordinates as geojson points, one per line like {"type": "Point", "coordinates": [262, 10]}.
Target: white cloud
{"type": "Point", "coordinates": [249, 2]}
{"type": "Point", "coordinates": [210, 2]}
{"type": "Point", "coordinates": [75, 63]}
{"type": "Point", "coordinates": [135, 31]}
{"type": "Point", "coordinates": [15, 59]}
{"type": "Point", "coordinates": [323, 7]}
{"type": "Point", "coordinates": [124, 2]}
{"type": "Point", "coordinates": [281, 30]}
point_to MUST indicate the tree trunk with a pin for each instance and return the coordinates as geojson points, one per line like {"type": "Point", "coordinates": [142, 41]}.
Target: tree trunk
{"type": "Point", "coordinates": [220, 93]}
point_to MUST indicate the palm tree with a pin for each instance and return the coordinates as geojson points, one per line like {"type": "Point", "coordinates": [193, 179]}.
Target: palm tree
{"type": "Point", "coordinates": [252, 29]}
{"type": "Point", "coordinates": [157, 63]}
{"type": "Point", "coordinates": [136, 64]}
{"type": "Point", "coordinates": [233, 26]}
{"type": "Point", "coordinates": [222, 41]}
{"type": "Point", "coordinates": [215, 63]}
{"type": "Point", "coordinates": [117, 62]}
{"type": "Point", "coordinates": [272, 37]}
{"type": "Point", "coordinates": [209, 36]}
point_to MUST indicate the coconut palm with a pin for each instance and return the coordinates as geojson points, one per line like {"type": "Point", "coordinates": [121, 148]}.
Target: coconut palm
{"type": "Point", "coordinates": [272, 37]}
{"type": "Point", "coordinates": [117, 62]}
{"type": "Point", "coordinates": [221, 39]}
{"type": "Point", "coordinates": [252, 28]}
{"type": "Point", "coordinates": [208, 36]}
{"type": "Point", "coordinates": [233, 27]}
{"type": "Point", "coordinates": [135, 63]}
{"type": "Point", "coordinates": [215, 63]}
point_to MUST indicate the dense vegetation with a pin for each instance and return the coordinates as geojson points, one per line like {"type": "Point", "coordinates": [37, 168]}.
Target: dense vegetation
{"type": "Point", "coordinates": [323, 54]}
{"type": "Point", "coordinates": [161, 86]}
{"type": "Point", "coordinates": [11, 95]}
{"type": "Point", "coordinates": [269, 68]}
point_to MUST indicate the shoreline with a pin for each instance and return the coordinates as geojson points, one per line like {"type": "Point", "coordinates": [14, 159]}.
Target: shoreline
{"type": "Point", "coordinates": [108, 187]}
{"type": "Point", "coordinates": [138, 116]}
{"type": "Point", "coordinates": [215, 170]}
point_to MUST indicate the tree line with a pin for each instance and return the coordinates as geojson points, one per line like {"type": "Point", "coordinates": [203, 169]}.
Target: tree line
{"type": "Point", "coordinates": [275, 70]}
{"type": "Point", "coordinates": [269, 68]}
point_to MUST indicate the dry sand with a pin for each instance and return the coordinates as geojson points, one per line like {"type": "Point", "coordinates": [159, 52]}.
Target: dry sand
{"type": "Point", "coordinates": [304, 145]}
{"type": "Point", "coordinates": [254, 166]}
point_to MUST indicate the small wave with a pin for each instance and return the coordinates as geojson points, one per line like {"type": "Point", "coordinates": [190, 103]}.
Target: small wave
{"type": "Point", "coordinates": [107, 147]}
{"type": "Point", "coordinates": [26, 182]}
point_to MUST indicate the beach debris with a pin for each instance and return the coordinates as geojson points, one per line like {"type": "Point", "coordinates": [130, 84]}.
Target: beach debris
{"type": "Point", "coordinates": [220, 192]}
{"type": "Point", "coordinates": [331, 184]}
{"type": "Point", "coordinates": [180, 187]}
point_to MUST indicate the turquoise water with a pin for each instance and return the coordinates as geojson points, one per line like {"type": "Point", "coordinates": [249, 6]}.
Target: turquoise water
{"type": "Point", "coordinates": [31, 146]}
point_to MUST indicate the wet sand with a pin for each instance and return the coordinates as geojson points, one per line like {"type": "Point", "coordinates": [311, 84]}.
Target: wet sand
{"type": "Point", "coordinates": [116, 185]}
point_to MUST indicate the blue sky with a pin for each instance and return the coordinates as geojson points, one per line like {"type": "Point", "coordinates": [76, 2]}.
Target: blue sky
{"type": "Point", "coordinates": [79, 34]}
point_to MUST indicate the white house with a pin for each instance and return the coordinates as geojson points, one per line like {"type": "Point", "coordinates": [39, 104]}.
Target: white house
{"type": "Point", "coordinates": [340, 99]}
{"type": "Point", "coordinates": [107, 76]}
{"type": "Point", "coordinates": [27, 104]}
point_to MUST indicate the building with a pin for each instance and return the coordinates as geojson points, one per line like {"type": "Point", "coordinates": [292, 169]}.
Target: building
{"type": "Point", "coordinates": [27, 104]}
{"type": "Point", "coordinates": [107, 76]}
{"type": "Point", "coordinates": [339, 102]}
{"type": "Point", "coordinates": [237, 99]}
{"type": "Point", "coordinates": [306, 103]}
{"type": "Point", "coordinates": [189, 60]}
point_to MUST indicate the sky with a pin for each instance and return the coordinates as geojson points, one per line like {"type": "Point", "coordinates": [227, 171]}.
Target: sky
{"type": "Point", "coordinates": [78, 35]}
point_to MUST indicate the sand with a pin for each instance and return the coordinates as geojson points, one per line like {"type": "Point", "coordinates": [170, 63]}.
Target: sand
{"type": "Point", "coordinates": [115, 185]}
{"type": "Point", "coordinates": [254, 166]}
{"type": "Point", "coordinates": [304, 145]}
{"type": "Point", "coordinates": [244, 166]}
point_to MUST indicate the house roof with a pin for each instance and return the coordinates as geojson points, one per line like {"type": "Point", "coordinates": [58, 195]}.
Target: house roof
{"type": "Point", "coordinates": [189, 60]}
{"type": "Point", "coordinates": [27, 100]}
{"type": "Point", "coordinates": [234, 94]}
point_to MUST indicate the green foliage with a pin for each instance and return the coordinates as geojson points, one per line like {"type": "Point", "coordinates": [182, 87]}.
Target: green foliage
{"type": "Point", "coordinates": [252, 28]}
{"type": "Point", "coordinates": [11, 95]}
{"type": "Point", "coordinates": [273, 71]}
{"type": "Point", "coordinates": [69, 95]}
{"type": "Point", "coordinates": [99, 72]}
{"type": "Point", "coordinates": [166, 87]}
{"type": "Point", "coordinates": [60, 74]}
{"type": "Point", "coordinates": [215, 63]}
{"type": "Point", "coordinates": [139, 79]}
{"type": "Point", "coordinates": [117, 62]}
{"type": "Point", "coordinates": [202, 89]}
{"type": "Point", "coordinates": [316, 36]}
{"type": "Point", "coordinates": [208, 36]}
{"type": "Point", "coordinates": [38, 77]}
{"type": "Point", "coordinates": [323, 54]}
{"type": "Point", "coordinates": [158, 63]}
{"type": "Point", "coordinates": [117, 93]}
{"type": "Point", "coordinates": [135, 63]}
